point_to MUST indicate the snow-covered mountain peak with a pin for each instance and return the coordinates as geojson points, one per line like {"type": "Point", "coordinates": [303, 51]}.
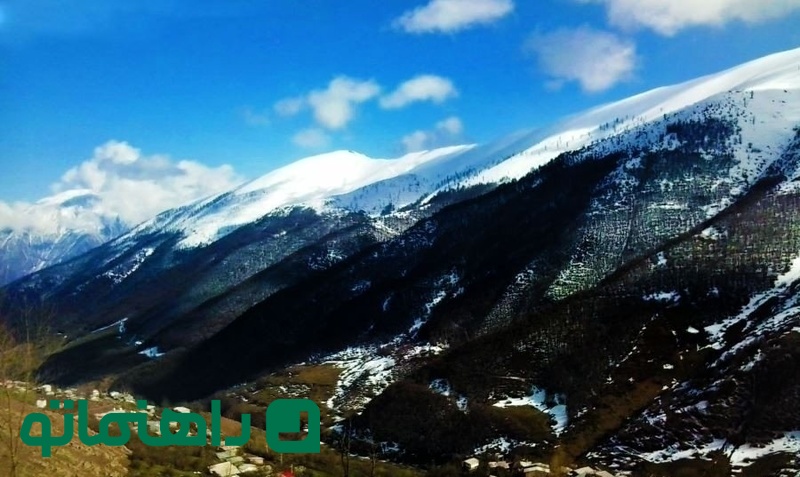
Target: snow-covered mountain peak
{"type": "Point", "coordinates": [68, 198]}
{"type": "Point", "coordinates": [76, 211]}
{"type": "Point", "coordinates": [339, 172]}
{"type": "Point", "coordinates": [313, 182]}
{"type": "Point", "coordinates": [779, 71]}
{"type": "Point", "coordinates": [326, 171]}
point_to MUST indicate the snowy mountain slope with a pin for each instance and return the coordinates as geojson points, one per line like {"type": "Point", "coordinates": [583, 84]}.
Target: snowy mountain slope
{"type": "Point", "coordinates": [336, 180]}
{"type": "Point", "coordinates": [424, 181]}
{"type": "Point", "coordinates": [773, 73]}
{"type": "Point", "coordinates": [62, 226]}
{"type": "Point", "coordinates": [310, 182]}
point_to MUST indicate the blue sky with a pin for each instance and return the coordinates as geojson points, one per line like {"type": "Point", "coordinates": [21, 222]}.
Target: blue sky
{"type": "Point", "coordinates": [195, 85]}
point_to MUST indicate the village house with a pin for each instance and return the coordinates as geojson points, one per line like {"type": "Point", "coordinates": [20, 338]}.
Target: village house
{"type": "Point", "coordinates": [471, 464]}
{"type": "Point", "coordinates": [225, 469]}
{"type": "Point", "coordinates": [533, 469]}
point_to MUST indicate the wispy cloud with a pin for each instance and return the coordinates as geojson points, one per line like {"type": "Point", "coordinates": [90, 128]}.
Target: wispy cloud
{"type": "Point", "coordinates": [420, 88]}
{"type": "Point", "coordinates": [254, 118]}
{"type": "Point", "coordinates": [445, 132]}
{"type": "Point", "coordinates": [669, 17]}
{"type": "Point", "coordinates": [127, 184]}
{"type": "Point", "coordinates": [596, 59]}
{"type": "Point", "coordinates": [311, 138]}
{"type": "Point", "coordinates": [290, 106]}
{"type": "Point", "coordinates": [445, 16]}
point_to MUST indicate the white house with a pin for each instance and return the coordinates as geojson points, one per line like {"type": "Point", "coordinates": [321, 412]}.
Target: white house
{"type": "Point", "coordinates": [471, 464]}
{"type": "Point", "coordinates": [225, 469]}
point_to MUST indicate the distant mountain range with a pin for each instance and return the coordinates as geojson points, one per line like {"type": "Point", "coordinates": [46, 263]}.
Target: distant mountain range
{"type": "Point", "coordinates": [75, 224]}
{"type": "Point", "coordinates": [631, 273]}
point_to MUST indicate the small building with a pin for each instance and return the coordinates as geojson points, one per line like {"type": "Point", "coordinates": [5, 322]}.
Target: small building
{"type": "Point", "coordinates": [471, 464]}
{"type": "Point", "coordinates": [499, 465]}
{"type": "Point", "coordinates": [535, 469]}
{"type": "Point", "coordinates": [244, 468]}
{"type": "Point", "coordinates": [182, 410]}
{"type": "Point", "coordinates": [225, 469]}
{"type": "Point", "coordinates": [254, 459]}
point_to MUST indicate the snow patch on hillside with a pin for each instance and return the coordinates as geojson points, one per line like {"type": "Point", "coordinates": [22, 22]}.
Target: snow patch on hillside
{"type": "Point", "coordinates": [556, 408]}
{"type": "Point", "coordinates": [741, 456]}
{"type": "Point", "coordinates": [124, 270]}
{"type": "Point", "coordinates": [443, 387]}
{"type": "Point", "coordinates": [368, 370]}
{"type": "Point", "coordinates": [783, 317]}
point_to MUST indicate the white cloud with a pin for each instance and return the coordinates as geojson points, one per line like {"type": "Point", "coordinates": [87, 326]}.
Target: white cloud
{"type": "Point", "coordinates": [447, 131]}
{"type": "Point", "coordinates": [596, 59]}
{"type": "Point", "coordinates": [290, 106]}
{"type": "Point", "coordinates": [420, 88]}
{"type": "Point", "coordinates": [668, 17]}
{"type": "Point", "coordinates": [311, 138]}
{"type": "Point", "coordinates": [453, 15]}
{"type": "Point", "coordinates": [126, 184]}
{"type": "Point", "coordinates": [334, 106]}
{"type": "Point", "coordinates": [18, 216]}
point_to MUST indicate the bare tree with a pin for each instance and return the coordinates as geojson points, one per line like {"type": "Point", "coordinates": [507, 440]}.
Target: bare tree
{"type": "Point", "coordinates": [343, 444]}
{"type": "Point", "coordinates": [374, 452]}
{"type": "Point", "coordinates": [24, 344]}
